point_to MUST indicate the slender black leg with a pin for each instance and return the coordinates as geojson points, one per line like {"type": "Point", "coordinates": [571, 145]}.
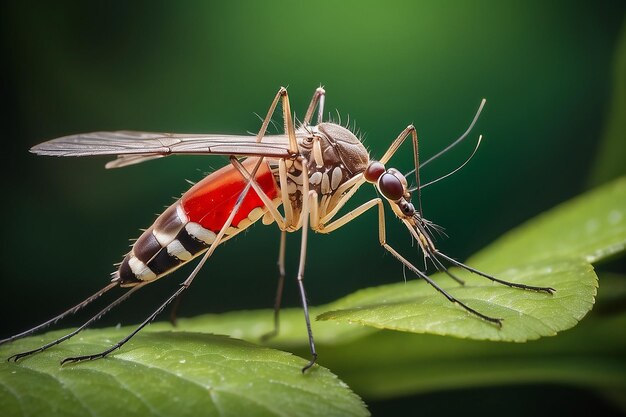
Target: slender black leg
{"type": "Point", "coordinates": [174, 311]}
{"type": "Point", "coordinates": [108, 308]}
{"type": "Point", "coordinates": [548, 290]}
{"type": "Point", "coordinates": [308, 196]}
{"type": "Point", "coordinates": [441, 268]}
{"type": "Point", "coordinates": [493, 320]}
{"type": "Point", "coordinates": [383, 242]}
{"type": "Point", "coordinates": [66, 313]}
{"type": "Point", "coordinates": [127, 338]}
{"type": "Point", "coordinates": [279, 288]}
{"type": "Point", "coordinates": [305, 307]}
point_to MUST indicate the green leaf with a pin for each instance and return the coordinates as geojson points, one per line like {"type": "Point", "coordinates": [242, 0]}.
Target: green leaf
{"type": "Point", "coordinates": [416, 307]}
{"type": "Point", "coordinates": [253, 325]}
{"type": "Point", "coordinates": [166, 373]}
{"type": "Point", "coordinates": [184, 372]}
{"type": "Point", "coordinates": [552, 250]}
{"type": "Point", "coordinates": [390, 364]}
{"type": "Point", "coordinates": [592, 355]}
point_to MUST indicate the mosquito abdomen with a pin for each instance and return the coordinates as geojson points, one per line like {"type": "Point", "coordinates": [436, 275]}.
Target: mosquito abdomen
{"type": "Point", "coordinates": [188, 227]}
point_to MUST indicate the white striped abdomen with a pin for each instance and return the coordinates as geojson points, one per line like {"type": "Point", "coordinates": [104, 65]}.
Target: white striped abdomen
{"type": "Point", "coordinates": [189, 226]}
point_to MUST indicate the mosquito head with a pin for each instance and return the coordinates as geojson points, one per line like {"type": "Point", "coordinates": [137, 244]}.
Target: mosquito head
{"type": "Point", "coordinates": [394, 187]}
{"type": "Point", "coordinates": [337, 145]}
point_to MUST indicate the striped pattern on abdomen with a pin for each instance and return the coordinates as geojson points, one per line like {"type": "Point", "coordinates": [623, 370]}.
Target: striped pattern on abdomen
{"type": "Point", "coordinates": [189, 226]}
{"type": "Point", "coordinates": [170, 242]}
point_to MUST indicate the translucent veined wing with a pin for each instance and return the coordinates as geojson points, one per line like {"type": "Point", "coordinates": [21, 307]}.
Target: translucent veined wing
{"type": "Point", "coordinates": [135, 147]}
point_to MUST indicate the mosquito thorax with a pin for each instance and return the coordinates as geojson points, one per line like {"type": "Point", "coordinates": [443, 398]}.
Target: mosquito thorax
{"type": "Point", "coordinates": [342, 147]}
{"type": "Point", "coordinates": [374, 170]}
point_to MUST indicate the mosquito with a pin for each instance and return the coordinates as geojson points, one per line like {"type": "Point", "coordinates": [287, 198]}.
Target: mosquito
{"type": "Point", "coordinates": [310, 170]}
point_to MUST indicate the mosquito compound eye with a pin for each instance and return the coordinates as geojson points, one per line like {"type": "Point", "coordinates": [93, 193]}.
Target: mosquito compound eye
{"type": "Point", "coordinates": [390, 186]}
{"type": "Point", "coordinates": [398, 175]}
{"type": "Point", "coordinates": [374, 170]}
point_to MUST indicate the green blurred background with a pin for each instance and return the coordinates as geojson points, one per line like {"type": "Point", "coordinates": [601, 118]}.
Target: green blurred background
{"type": "Point", "coordinates": [546, 69]}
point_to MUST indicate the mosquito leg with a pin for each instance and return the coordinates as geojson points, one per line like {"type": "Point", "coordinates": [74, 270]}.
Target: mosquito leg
{"type": "Point", "coordinates": [383, 242]}
{"type": "Point", "coordinates": [441, 268]}
{"type": "Point", "coordinates": [280, 221]}
{"type": "Point", "coordinates": [305, 305]}
{"type": "Point", "coordinates": [308, 196]}
{"type": "Point", "coordinates": [496, 321]}
{"type": "Point", "coordinates": [397, 142]}
{"type": "Point", "coordinates": [185, 284]}
{"type": "Point", "coordinates": [127, 338]}
{"type": "Point", "coordinates": [548, 290]}
{"type": "Point", "coordinates": [279, 288]}
{"type": "Point", "coordinates": [284, 194]}
{"type": "Point", "coordinates": [288, 220]}
{"type": "Point", "coordinates": [382, 238]}
{"type": "Point", "coordinates": [66, 313]}
{"type": "Point", "coordinates": [351, 215]}
{"type": "Point", "coordinates": [174, 311]}
{"type": "Point", "coordinates": [341, 196]}
{"type": "Point", "coordinates": [293, 149]}
{"type": "Point", "coordinates": [287, 119]}
{"type": "Point", "coordinates": [318, 96]}
{"type": "Point", "coordinates": [102, 312]}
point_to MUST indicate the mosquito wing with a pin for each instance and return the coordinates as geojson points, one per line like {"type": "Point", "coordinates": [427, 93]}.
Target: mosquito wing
{"type": "Point", "coordinates": [135, 147]}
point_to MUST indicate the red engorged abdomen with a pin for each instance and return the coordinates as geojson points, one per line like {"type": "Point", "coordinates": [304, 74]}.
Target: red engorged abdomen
{"type": "Point", "coordinates": [210, 201]}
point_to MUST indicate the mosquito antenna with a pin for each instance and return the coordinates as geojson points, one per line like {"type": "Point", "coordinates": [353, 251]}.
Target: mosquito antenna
{"type": "Point", "coordinates": [66, 313]}
{"type": "Point", "coordinates": [455, 170]}
{"type": "Point", "coordinates": [456, 142]}
{"type": "Point", "coordinates": [460, 139]}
